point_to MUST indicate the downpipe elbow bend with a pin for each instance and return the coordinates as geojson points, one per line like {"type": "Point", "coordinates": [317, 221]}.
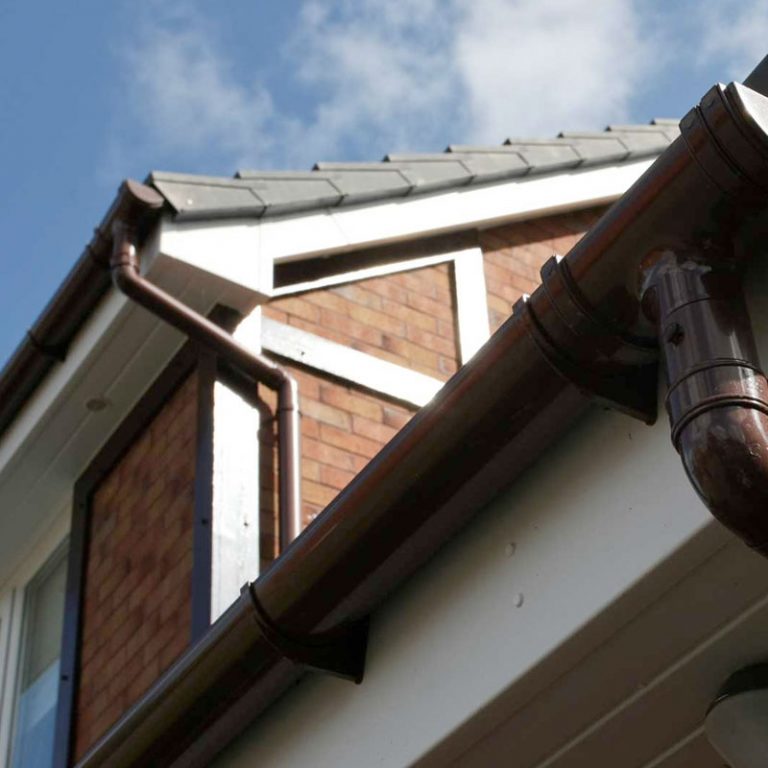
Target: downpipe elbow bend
{"type": "Point", "coordinates": [717, 397]}
{"type": "Point", "coordinates": [725, 455]}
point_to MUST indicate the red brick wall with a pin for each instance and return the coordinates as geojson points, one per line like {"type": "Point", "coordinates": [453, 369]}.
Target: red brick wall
{"type": "Point", "coordinates": [406, 318]}
{"type": "Point", "coordinates": [136, 614]}
{"type": "Point", "coordinates": [514, 254]}
{"type": "Point", "coordinates": [342, 428]}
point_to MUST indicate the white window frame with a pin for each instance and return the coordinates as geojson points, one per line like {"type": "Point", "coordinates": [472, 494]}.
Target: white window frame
{"type": "Point", "coordinates": [12, 601]}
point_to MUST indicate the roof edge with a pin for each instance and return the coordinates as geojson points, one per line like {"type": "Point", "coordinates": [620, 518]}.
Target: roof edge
{"type": "Point", "coordinates": [47, 341]}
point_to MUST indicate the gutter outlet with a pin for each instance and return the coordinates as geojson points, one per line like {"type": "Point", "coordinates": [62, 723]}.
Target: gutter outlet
{"type": "Point", "coordinates": [717, 398]}
{"type": "Point", "coordinates": [691, 288]}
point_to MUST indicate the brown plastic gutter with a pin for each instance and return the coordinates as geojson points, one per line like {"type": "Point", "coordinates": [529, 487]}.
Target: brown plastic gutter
{"type": "Point", "coordinates": [588, 333]}
{"type": "Point", "coordinates": [126, 275]}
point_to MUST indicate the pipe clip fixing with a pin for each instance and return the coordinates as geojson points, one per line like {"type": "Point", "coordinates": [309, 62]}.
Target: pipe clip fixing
{"type": "Point", "coordinates": [339, 652]}
{"type": "Point", "coordinates": [608, 366]}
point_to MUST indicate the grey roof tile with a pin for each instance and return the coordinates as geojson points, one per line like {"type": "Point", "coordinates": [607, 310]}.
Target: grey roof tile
{"type": "Point", "coordinates": [662, 133]}
{"type": "Point", "coordinates": [493, 164]}
{"type": "Point", "coordinates": [210, 197]}
{"type": "Point", "coordinates": [478, 149]}
{"type": "Point", "coordinates": [641, 139]}
{"type": "Point", "coordinates": [631, 128]}
{"type": "Point", "coordinates": [272, 193]}
{"type": "Point", "coordinates": [360, 186]}
{"type": "Point", "coordinates": [284, 194]}
{"type": "Point", "coordinates": [594, 147]}
{"type": "Point", "coordinates": [361, 182]}
{"type": "Point", "coordinates": [364, 166]}
{"type": "Point", "coordinates": [670, 127]}
{"type": "Point", "coordinates": [431, 174]}
{"type": "Point", "coordinates": [547, 155]}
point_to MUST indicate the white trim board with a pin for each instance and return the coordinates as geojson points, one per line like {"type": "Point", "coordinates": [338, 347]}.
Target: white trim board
{"type": "Point", "coordinates": [471, 302]}
{"type": "Point", "coordinates": [355, 367]}
{"type": "Point", "coordinates": [235, 544]}
{"type": "Point", "coordinates": [12, 598]}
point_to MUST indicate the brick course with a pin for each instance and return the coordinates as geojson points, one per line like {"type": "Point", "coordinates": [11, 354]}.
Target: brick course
{"type": "Point", "coordinates": [514, 253]}
{"type": "Point", "coordinates": [406, 318]}
{"type": "Point", "coordinates": [137, 601]}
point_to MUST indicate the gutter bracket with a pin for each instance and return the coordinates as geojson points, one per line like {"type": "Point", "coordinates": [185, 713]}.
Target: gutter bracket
{"type": "Point", "coordinates": [609, 367]}
{"type": "Point", "coordinates": [339, 652]}
{"type": "Point", "coordinates": [56, 352]}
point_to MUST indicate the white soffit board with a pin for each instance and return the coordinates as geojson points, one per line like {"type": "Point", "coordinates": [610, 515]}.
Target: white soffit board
{"type": "Point", "coordinates": [380, 270]}
{"type": "Point", "coordinates": [118, 352]}
{"type": "Point", "coordinates": [243, 251]}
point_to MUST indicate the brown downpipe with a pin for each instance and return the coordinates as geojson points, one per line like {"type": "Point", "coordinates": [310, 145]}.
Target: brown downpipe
{"type": "Point", "coordinates": [717, 396]}
{"type": "Point", "coordinates": [584, 334]}
{"type": "Point", "coordinates": [126, 276]}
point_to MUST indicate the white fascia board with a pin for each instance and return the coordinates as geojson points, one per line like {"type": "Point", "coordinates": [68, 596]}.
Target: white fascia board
{"type": "Point", "coordinates": [340, 229]}
{"type": "Point", "coordinates": [229, 251]}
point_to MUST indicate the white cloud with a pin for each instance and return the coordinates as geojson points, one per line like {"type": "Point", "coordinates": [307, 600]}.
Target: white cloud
{"type": "Point", "coordinates": [390, 75]}
{"type": "Point", "coordinates": [186, 95]}
{"type": "Point", "coordinates": [533, 68]}
{"type": "Point", "coordinates": [735, 30]}
{"type": "Point", "coordinates": [384, 69]}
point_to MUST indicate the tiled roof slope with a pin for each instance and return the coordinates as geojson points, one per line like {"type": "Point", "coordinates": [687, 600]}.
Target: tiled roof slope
{"type": "Point", "coordinates": [274, 193]}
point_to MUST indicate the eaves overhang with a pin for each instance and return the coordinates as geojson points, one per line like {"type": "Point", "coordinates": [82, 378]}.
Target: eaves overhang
{"type": "Point", "coordinates": [240, 244]}
{"type": "Point", "coordinates": [58, 405]}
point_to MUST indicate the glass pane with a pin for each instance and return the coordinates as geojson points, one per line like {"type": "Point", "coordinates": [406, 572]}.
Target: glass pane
{"type": "Point", "coordinates": [39, 674]}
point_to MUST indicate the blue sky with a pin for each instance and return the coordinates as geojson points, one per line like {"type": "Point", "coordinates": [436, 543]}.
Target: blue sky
{"type": "Point", "coordinates": [93, 92]}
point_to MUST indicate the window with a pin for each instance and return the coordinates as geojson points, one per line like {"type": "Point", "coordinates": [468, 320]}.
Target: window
{"type": "Point", "coordinates": [37, 680]}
